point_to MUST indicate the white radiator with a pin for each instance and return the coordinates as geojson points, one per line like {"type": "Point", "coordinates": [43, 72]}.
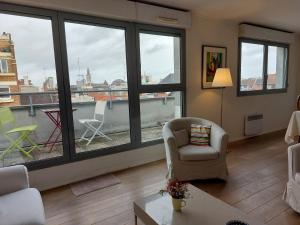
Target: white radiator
{"type": "Point", "coordinates": [254, 124]}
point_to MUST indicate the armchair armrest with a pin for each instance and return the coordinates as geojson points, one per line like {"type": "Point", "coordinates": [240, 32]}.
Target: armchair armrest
{"type": "Point", "coordinates": [294, 160]}
{"type": "Point", "coordinates": [170, 144]}
{"type": "Point", "coordinates": [13, 178]}
{"type": "Point", "coordinates": [219, 139]}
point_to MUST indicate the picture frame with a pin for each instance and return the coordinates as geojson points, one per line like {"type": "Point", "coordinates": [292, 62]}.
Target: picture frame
{"type": "Point", "coordinates": [213, 57]}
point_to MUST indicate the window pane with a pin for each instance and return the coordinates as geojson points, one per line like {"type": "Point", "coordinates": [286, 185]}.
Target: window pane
{"type": "Point", "coordinates": [3, 66]}
{"type": "Point", "coordinates": [98, 80]}
{"type": "Point", "coordinates": [160, 59]}
{"type": "Point", "coordinates": [27, 62]}
{"type": "Point", "coordinates": [156, 110]}
{"type": "Point", "coordinates": [252, 60]}
{"type": "Point", "coordinates": [277, 64]}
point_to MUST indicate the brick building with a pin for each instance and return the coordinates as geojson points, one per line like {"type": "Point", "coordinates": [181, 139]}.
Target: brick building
{"type": "Point", "coordinates": [8, 72]}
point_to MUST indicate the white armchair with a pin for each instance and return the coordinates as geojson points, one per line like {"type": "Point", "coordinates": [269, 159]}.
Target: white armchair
{"type": "Point", "coordinates": [19, 204]}
{"type": "Point", "coordinates": [292, 191]}
{"type": "Point", "coordinates": [190, 162]}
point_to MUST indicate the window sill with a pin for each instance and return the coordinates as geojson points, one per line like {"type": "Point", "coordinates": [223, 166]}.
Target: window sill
{"type": "Point", "coordinates": [6, 100]}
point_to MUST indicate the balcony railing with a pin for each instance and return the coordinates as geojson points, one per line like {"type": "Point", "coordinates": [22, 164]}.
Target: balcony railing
{"type": "Point", "coordinates": [155, 112]}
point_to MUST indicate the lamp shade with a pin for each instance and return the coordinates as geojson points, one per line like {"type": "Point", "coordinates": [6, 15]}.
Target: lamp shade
{"type": "Point", "coordinates": [222, 78]}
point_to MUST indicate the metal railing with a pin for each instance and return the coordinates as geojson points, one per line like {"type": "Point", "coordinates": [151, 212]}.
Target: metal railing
{"type": "Point", "coordinates": [54, 100]}
{"type": "Point", "coordinates": [32, 105]}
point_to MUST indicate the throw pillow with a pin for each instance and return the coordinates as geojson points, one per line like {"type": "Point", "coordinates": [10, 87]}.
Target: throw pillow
{"type": "Point", "coordinates": [200, 135]}
{"type": "Point", "coordinates": [181, 137]}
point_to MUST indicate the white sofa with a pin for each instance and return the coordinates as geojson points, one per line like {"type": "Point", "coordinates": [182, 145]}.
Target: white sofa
{"type": "Point", "coordinates": [19, 204]}
{"type": "Point", "coordinates": [190, 162]}
{"type": "Point", "coordinates": [292, 191]}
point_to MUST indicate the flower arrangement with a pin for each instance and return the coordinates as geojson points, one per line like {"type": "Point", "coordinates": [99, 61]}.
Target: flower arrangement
{"type": "Point", "coordinates": [176, 189]}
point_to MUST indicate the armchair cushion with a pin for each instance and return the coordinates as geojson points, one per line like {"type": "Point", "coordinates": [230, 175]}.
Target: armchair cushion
{"type": "Point", "coordinates": [297, 178]}
{"type": "Point", "coordinates": [200, 135]}
{"type": "Point", "coordinates": [181, 137]}
{"type": "Point", "coordinates": [22, 207]}
{"type": "Point", "coordinates": [197, 153]}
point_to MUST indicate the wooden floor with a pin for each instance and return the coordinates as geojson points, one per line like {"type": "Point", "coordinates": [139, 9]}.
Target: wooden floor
{"type": "Point", "coordinates": [257, 177]}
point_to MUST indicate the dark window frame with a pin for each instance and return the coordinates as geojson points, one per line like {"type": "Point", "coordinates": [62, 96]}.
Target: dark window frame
{"type": "Point", "coordinates": [1, 66]}
{"type": "Point", "coordinates": [134, 88]}
{"type": "Point", "coordinates": [265, 44]}
{"type": "Point", "coordinates": [153, 88]}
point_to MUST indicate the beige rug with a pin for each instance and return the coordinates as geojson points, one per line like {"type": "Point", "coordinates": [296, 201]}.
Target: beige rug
{"type": "Point", "coordinates": [94, 184]}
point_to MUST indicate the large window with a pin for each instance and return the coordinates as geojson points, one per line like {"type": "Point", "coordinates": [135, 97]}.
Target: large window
{"type": "Point", "coordinates": [161, 80]}
{"type": "Point", "coordinates": [77, 87]}
{"type": "Point", "coordinates": [262, 67]}
{"type": "Point", "coordinates": [28, 131]}
{"type": "Point", "coordinates": [99, 87]}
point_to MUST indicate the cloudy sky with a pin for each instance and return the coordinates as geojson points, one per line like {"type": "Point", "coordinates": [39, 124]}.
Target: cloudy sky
{"type": "Point", "coordinates": [102, 50]}
{"type": "Point", "coordinates": [157, 55]}
{"type": "Point", "coordinates": [33, 46]}
{"type": "Point", "coordinates": [252, 60]}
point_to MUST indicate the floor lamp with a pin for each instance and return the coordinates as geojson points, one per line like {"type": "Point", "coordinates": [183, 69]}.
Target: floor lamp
{"type": "Point", "coordinates": [221, 80]}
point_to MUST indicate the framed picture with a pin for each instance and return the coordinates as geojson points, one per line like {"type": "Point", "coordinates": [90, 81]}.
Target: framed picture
{"type": "Point", "coordinates": [213, 57]}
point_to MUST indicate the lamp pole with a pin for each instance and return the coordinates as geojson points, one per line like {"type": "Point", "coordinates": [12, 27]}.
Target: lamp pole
{"type": "Point", "coordinates": [222, 93]}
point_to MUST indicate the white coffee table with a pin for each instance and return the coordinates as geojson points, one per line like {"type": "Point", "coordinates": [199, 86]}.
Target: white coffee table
{"type": "Point", "coordinates": [201, 209]}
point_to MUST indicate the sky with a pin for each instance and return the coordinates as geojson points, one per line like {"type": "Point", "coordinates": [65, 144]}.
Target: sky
{"type": "Point", "coordinates": [33, 46]}
{"type": "Point", "coordinates": [157, 55]}
{"type": "Point", "coordinates": [252, 60]}
{"type": "Point", "coordinates": [102, 50]}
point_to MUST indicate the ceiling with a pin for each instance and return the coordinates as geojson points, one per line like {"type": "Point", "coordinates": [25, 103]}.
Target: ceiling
{"type": "Point", "coordinates": [282, 14]}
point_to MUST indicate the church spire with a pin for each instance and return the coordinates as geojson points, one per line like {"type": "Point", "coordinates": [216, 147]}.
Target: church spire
{"type": "Point", "coordinates": [88, 77]}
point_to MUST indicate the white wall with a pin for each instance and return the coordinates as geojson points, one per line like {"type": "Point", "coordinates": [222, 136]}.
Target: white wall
{"type": "Point", "coordinates": [277, 108]}
{"type": "Point", "coordinates": [61, 175]}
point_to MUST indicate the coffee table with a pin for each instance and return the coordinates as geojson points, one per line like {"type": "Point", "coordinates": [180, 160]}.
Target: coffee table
{"type": "Point", "coordinates": [201, 208]}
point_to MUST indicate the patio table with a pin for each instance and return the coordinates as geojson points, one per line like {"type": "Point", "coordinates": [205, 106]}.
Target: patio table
{"type": "Point", "coordinates": [54, 115]}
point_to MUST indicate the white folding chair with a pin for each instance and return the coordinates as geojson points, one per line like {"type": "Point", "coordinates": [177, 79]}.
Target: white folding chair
{"type": "Point", "coordinates": [94, 125]}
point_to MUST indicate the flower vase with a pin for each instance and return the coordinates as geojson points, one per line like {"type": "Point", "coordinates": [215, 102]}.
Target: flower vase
{"type": "Point", "coordinates": [178, 204]}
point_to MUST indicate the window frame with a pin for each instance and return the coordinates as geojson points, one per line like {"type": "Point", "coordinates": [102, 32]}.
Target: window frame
{"type": "Point", "coordinates": [52, 15]}
{"type": "Point", "coordinates": [153, 88]}
{"type": "Point", "coordinates": [265, 44]}
{"type": "Point", "coordinates": [5, 98]}
{"type": "Point", "coordinates": [134, 88]}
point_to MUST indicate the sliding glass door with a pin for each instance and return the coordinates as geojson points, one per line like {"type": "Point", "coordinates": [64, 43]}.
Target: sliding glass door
{"type": "Point", "coordinates": [98, 84]}
{"type": "Point", "coordinates": [161, 79]}
{"type": "Point", "coordinates": [30, 109]}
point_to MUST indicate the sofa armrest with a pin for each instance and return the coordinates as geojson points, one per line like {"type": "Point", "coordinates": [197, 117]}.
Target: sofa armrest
{"type": "Point", "coordinates": [219, 139]}
{"type": "Point", "coordinates": [13, 178]}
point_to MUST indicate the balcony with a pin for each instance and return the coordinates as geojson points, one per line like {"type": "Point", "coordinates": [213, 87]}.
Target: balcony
{"type": "Point", "coordinates": [116, 126]}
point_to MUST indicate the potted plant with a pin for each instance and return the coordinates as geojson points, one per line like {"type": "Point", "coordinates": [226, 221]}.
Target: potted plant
{"type": "Point", "coordinates": [178, 191]}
